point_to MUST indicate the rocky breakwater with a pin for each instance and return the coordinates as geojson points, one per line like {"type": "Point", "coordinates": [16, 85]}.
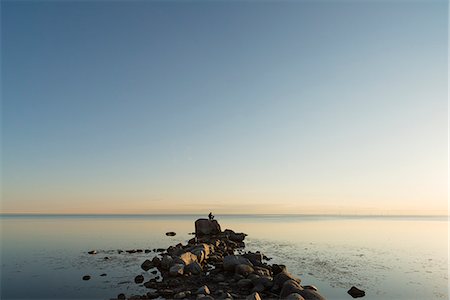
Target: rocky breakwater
{"type": "Point", "coordinates": [214, 265]}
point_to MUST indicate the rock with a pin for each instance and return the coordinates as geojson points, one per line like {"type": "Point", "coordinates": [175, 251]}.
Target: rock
{"type": "Point", "coordinates": [218, 278]}
{"type": "Point", "coordinates": [267, 282]}
{"type": "Point", "coordinates": [86, 277]}
{"type": "Point", "coordinates": [245, 283]}
{"type": "Point", "coordinates": [154, 272]}
{"type": "Point", "coordinates": [278, 269]}
{"type": "Point", "coordinates": [231, 261]}
{"type": "Point", "coordinates": [262, 271]}
{"type": "Point", "coordinates": [147, 265]}
{"type": "Point", "coordinates": [131, 251]}
{"type": "Point", "coordinates": [204, 290]}
{"type": "Point", "coordinates": [258, 288]}
{"type": "Point", "coordinates": [310, 287]}
{"type": "Point", "coordinates": [207, 227]}
{"type": "Point", "coordinates": [202, 252]}
{"type": "Point", "coordinates": [176, 270]}
{"type": "Point", "coordinates": [103, 275]}
{"type": "Point", "coordinates": [294, 296]}
{"type": "Point", "coordinates": [182, 295]}
{"type": "Point", "coordinates": [147, 250]}
{"type": "Point", "coordinates": [235, 237]}
{"type": "Point", "coordinates": [186, 258]}
{"type": "Point", "coordinates": [194, 268]}
{"type": "Point", "coordinates": [289, 287]}
{"type": "Point", "coordinates": [281, 278]}
{"type": "Point", "coordinates": [106, 258]}
{"type": "Point", "coordinates": [139, 251]}
{"type": "Point", "coordinates": [166, 262]}
{"type": "Point", "coordinates": [243, 269]}
{"type": "Point", "coordinates": [156, 262]}
{"type": "Point", "coordinates": [121, 296]}
{"type": "Point", "coordinates": [139, 279]}
{"type": "Point", "coordinates": [254, 258]}
{"type": "Point", "coordinates": [92, 252]}
{"type": "Point", "coordinates": [355, 292]}
{"type": "Point", "coordinates": [171, 233]}
{"type": "Point", "coordinates": [254, 296]}
{"type": "Point", "coordinates": [238, 277]}
{"type": "Point", "coordinates": [309, 294]}
{"type": "Point", "coordinates": [152, 295]}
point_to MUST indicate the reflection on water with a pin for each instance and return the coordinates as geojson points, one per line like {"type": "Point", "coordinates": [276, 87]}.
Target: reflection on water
{"type": "Point", "coordinates": [390, 258]}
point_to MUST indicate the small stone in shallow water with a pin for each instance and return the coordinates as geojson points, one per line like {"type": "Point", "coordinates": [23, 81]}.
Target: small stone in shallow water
{"type": "Point", "coordinates": [106, 258]}
{"type": "Point", "coordinates": [103, 275]}
{"type": "Point", "coordinates": [170, 233]}
{"type": "Point", "coordinates": [139, 279]}
{"type": "Point", "coordinates": [86, 277]}
{"type": "Point", "coordinates": [92, 252]}
{"type": "Point", "coordinates": [355, 292]}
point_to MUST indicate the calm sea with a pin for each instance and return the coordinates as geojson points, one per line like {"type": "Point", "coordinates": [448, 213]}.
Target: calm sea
{"type": "Point", "coordinates": [45, 257]}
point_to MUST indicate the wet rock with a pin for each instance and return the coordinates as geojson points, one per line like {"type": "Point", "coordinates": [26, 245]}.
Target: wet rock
{"type": "Point", "coordinates": [147, 250]}
{"type": "Point", "coordinates": [219, 278]}
{"type": "Point", "coordinates": [233, 236]}
{"type": "Point", "coordinates": [254, 296]}
{"type": "Point", "coordinates": [166, 262]}
{"type": "Point", "coordinates": [139, 250]}
{"type": "Point", "coordinates": [103, 275]}
{"type": "Point", "coordinates": [254, 258]}
{"type": "Point", "coordinates": [160, 250]}
{"type": "Point", "coordinates": [310, 287]}
{"type": "Point", "coordinates": [147, 265]}
{"type": "Point", "coordinates": [106, 258]}
{"type": "Point", "coordinates": [156, 262]}
{"type": "Point", "coordinates": [139, 279]}
{"type": "Point", "coordinates": [281, 278]}
{"type": "Point", "coordinates": [355, 292]}
{"type": "Point", "coordinates": [152, 295]}
{"type": "Point", "coordinates": [289, 287]}
{"type": "Point", "coordinates": [294, 296]}
{"type": "Point", "coordinates": [245, 283]}
{"type": "Point", "coordinates": [278, 269]}
{"type": "Point", "coordinates": [231, 261]}
{"type": "Point", "coordinates": [92, 252]}
{"type": "Point", "coordinates": [154, 272]}
{"type": "Point", "coordinates": [170, 233]}
{"type": "Point", "coordinates": [121, 296]}
{"type": "Point", "coordinates": [262, 271]}
{"type": "Point", "coordinates": [310, 294]}
{"type": "Point", "coordinates": [194, 268]}
{"type": "Point", "coordinates": [204, 290]}
{"type": "Point", "coordinates": [186, 258]}
{"type": "Point", "coordinates": [182, 295]}
{"type": "Point", "coordinates": [130, 251]}
{"type": "Point", "coordinates": [176, 270]}
{"type": "Point", "coordinates": [207, 227]}
{"type": "Point", "coordinates": [243, 270]}
{"type": "Point", "coordinates": [86, 277]}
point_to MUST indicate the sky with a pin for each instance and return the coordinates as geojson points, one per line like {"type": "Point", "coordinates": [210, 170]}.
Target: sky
{"type": "Point", "coordinates": [333, 107]}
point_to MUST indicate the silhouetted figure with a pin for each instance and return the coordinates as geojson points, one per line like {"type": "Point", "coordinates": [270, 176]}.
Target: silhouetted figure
{"type": "Point", "coordinates": [210, 216]}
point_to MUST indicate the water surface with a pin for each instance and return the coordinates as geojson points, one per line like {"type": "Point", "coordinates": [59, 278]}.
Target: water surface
{"type": "Point", "coordinates": [44, 257]}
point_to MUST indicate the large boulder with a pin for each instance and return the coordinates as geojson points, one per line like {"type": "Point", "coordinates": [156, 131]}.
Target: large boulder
{"type": "Point", "coordinates": [176, 270]}
{"type": "Point", "coordinates": [289, 287]}
{"type": "Point", "coordinates": [207, 227]}
{"type": "Point", "coordinates": [186, 258]}
{"type": "Point", "coordinates": [231, 261]}
{"type": "Point", "coordinates": [281, 278]}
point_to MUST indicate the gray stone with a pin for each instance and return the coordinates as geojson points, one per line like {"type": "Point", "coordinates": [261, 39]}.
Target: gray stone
{"type": "Point", "coordinates": [245, 283]}
{"type": "Point", "coordinates": [176, 270]}
{"type": "Point", "coordinates": [243, 269]}
{"type": "Point", "coordinates": [231, 261]}
{"type": "Point", "coordinates": [204, 290]}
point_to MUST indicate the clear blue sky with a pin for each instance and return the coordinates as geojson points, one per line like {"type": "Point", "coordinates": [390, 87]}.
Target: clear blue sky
{"type": "Point", "coordinates": [241, 106]}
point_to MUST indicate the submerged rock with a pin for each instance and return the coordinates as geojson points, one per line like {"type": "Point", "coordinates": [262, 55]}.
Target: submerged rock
{"type": "Point", "coordinates": [355, 292]}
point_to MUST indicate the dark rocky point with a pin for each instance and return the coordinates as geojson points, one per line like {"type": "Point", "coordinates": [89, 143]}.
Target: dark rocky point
{"type": "Point", "coordinates": [214, 265]}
